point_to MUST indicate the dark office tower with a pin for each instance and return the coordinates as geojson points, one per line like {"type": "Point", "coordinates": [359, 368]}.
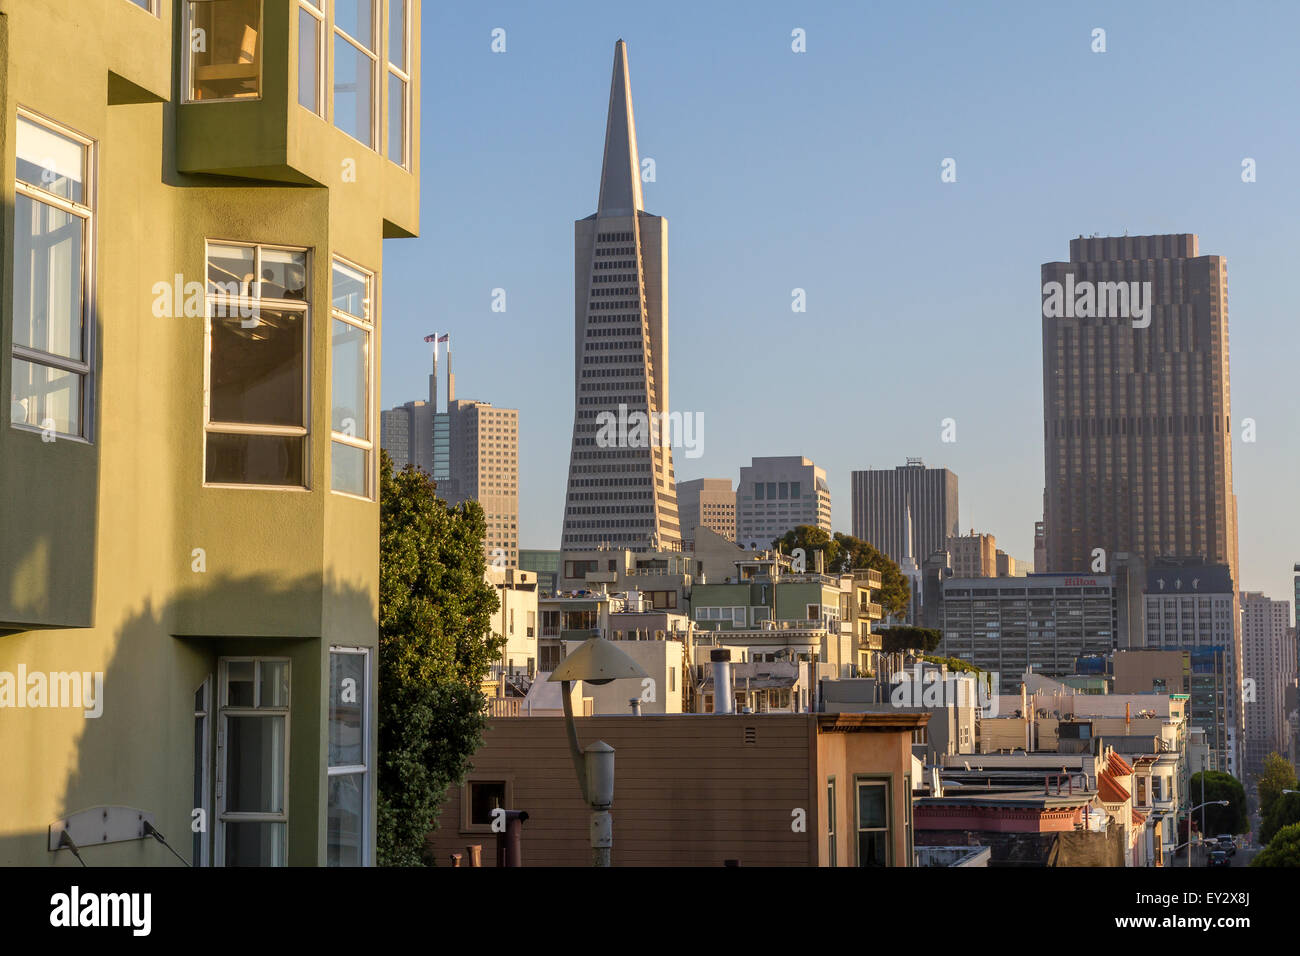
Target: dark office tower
{"type": "Point", "coordinates": [881, 499]}
{"type": "Point", "coordinates": [1137, 427]}
{"type": "Point", "coordinates": [621, 490]}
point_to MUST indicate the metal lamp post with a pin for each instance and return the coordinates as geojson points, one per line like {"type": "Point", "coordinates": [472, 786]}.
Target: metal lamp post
{"type": "Point", "coordinates": [597, 661]}
{"type": "Point", "coordinates": [1201, 807]}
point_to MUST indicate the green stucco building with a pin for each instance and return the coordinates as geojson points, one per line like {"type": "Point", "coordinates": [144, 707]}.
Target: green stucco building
{"type": "Point", "coordinates": [195, 195]}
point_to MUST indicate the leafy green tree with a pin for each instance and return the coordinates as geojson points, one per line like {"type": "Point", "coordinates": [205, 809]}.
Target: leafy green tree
{"type": "Point", "coordinates": [908, 638]}
{"type": "Point", "coordinates": [1282, 850]}
{"type": "Point", "coordinates": [435, 609]}
{"type": "Point", "coordinates": [843, 553]}
{"type": "Point", "coordinates": [1219, 786]}
{"type": "Point", "coordinates": [1277, 775]}
{"type": "Point", "coordinates": [1284, 811]}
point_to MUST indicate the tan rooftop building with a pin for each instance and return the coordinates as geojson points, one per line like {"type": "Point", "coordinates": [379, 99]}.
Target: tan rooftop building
{"type": "Point", "coordinates": [762, 790]}
{"type": "Point", "coordinates": [710, 502]}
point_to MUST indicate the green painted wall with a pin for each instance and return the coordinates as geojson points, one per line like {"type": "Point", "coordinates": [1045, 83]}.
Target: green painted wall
{"type": "Point", "coordinates": [96, 538]}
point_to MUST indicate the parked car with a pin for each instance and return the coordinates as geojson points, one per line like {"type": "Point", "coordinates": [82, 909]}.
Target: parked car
{"type": "Point", "coordinates": [1219, 858]}
{"type": "Point", "coordinates": [1227, 844]}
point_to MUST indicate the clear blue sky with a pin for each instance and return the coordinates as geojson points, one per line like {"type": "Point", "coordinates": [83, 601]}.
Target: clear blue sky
{"type": "Point", "coordinates": [821, 170]}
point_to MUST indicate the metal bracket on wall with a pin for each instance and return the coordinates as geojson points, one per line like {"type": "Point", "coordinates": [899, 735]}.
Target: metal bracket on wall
{"type": "Point", "coordinates": [100, 825]}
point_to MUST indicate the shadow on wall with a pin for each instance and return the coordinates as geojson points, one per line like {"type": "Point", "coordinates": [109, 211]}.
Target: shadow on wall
{"type": "Point", "coordinates": [141, 752]}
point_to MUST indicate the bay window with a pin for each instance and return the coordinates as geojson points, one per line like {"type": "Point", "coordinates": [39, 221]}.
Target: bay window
{"type": "Point", "coordinates": [399, 81]}
{"type": "Point", "coordinates": [256, 388]}
{"type": "Point", "coordinates": [351, 335]}
{"type": "Point", "coordinates": [311, 55]}
{"type": "Point", "coordinates": [224, 43]}
{"type": "Point", "coordinates": [355, 68]}
{"type": "Point", "coordinates": [54, 203]}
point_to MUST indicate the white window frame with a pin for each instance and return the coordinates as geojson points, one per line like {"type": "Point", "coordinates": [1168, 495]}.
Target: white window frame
{"type": "Point", "coordinates": [187, 57]}
{"type": "Point", "coordinates": [316, 9]}
{"type": "Point", "coordinates": [366, 768]}
{"type": "Point", "coordinates": [148, 6]}
{"type": "Point", "coordinates": [861, 781]}
{"type": "Point", "coordinates": [86, 212]}
{"type": "Point", "coordinates": [205, 785]}
{"type": "Point", "coordinates": [376, 95]}
{"type": "Point", "coordinates": [224, 712]}
{"type": "Point", "coordinates": [367, 325]}
{"type": "Point", "coordinates": [404, 75]}
{"type": "Point", "coordinates": [302, 306]}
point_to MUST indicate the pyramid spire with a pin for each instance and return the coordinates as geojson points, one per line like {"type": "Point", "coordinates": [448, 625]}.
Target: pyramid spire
{"type": "Point", "coordinates": [620, 175]}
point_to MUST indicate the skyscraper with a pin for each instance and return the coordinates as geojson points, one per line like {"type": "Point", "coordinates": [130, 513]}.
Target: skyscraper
{"type": "Point", "coordinates": [484, 467]}
{"type": "Point", "coordinates": [416, 433]}
{"type": "Point", "coordinates": [882, 497]}
{"type": "Point", "coordinates": [776, 495]}
{"type": "Point", "coordinates": [471, 451]}
{"type": "Point", "coordinates": [1269, 663]}
{"type": "Point", "coordinates": [710, 502]}
{"type": "Point", "coordinates": [1137, 425]}
{"type": "Point", "coordinates": [1191, 605]}
{"type": "Point", "coordinates": [621, 493]}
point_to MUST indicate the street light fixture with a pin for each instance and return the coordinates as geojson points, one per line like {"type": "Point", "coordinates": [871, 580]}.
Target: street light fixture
{"type": "Point", "coordinates": [1208, 803]}
{"type": "Point", "coordinates": [597, 661]}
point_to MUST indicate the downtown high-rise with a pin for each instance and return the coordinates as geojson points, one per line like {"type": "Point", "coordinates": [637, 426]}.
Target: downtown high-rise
{"type": "Point", "coordinates": [1137, 427]}
{"type": "Point", "coordinates": [881, 500]}
{"type": "Point", "coordinates": [621, 491]}
{"type": "Point", "coordinates": [469, 448]}
{"type": "Point", "coordinates": [778, 494]}
{"type": "Point", "coordinates": [1269, 664]}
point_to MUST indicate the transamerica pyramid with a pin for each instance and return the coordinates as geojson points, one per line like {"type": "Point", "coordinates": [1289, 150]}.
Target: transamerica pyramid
{"type": "Point", "coordinates": [621, 494]}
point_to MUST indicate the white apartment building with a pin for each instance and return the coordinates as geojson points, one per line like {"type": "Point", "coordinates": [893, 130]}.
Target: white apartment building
{"type": "Point", "coordinates": [776, 495]}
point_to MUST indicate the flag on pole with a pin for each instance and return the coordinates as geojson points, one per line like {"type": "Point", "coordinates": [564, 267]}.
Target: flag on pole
{"type": "Point", "coordinates": [438, 338]}
{"type": "Point", "coordinates": [431, 338]}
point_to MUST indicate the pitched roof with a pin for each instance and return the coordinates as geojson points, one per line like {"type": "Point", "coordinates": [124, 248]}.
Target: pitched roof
{"type": "Point", "coordinates": [1118, 765]}
{"type": "Point", "coordinates": [1110, 790]}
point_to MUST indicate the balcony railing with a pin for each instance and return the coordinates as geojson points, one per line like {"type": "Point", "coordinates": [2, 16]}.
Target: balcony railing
{"type": "Point", "coordinates": [869, 576]}
{"type": "Point", "coordinates": [871, 610]}
{"type": "Point", "coordinates": [503, 706]}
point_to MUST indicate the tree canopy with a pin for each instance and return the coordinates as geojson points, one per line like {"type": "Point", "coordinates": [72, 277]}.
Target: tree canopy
{"type": "Point", "coordinates": [1282, 850]}
{"type": "Point", "coordinates": [1277, 775]}
{"type": "Point", "coordinates": [843, 553]}
{"type": "Point", "coordinates": [1219, 786]}
{"type": "Point", "coordinates": [1284, 811]}
{"type": "Point", "coordinates": [435, 608]}
{"type": "Point", "coordinates": [908, 638]}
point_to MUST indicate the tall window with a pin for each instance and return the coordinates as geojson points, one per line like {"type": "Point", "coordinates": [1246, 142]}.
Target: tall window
{"type": "Point", "coordinates": [311, 55]}
{"type": "Point", "coordinates": [399, 81]}
{"type": "Point", "coordinates": [252, 763]}
{"type": "Point", "coordinates": [257, 365]}
{"type": "Point", "coordinates": [224, 39]}
{"type": "Point", "coordinates": [832, 849]}
{"type": "Point", "coordinates": [54, 203]}
{"type": "Point", "coordinates": [202, 703]}
{"type": "Point", "coordinates": [873, 822]}
{"type": "Point", "coordinates": [355, 68]}
{"type": "Point", "coordinates": [351, 446]}
{"type": "Point", "coordinates": [347, 841]}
